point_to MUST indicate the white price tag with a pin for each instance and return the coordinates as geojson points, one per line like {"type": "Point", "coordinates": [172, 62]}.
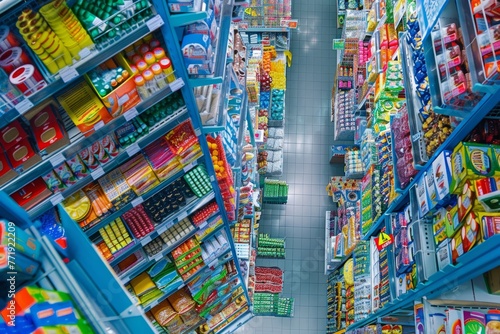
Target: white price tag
{"type": "Point", "coordinates": [97, 173]}
{"type": "Point", "coordinates": [259, 136]}
{"type": "Point", "coordinates": [98, 125]}
{"type": "Point", "coordinates": [154, 23]}
{"type": "Point", "coordinates": [177, 84]}
{"type": "Point", "coordinates": [197, 132]}
{"type": "Point", "coordinates": [123, 99]}
{"type": "Point", "coordinates": [416, 136]}
{"type": "Point", "coordinates": [129, 114]}
{"type": "Point", "coordinates": [137, 201]}
{"type": "Point", "coordinates": [57, 159]}
{"type": "Point", "coordinates": [24, 106]}
{"type": "Point", "coordinates": [187, 168]}
{"type": "Point", "coordinates": [213, 263]}
{"type": "Point", "coordinates": [132, 149]}
{"type": "Point", "coordinates": [146, 240]}
{"type": "Point", "coordinates": [158, 257]}
{"type": "Point", "coordinates": [85, 52]}
{"type": "Point", "coordinates": [68, 73]}
{"type": "Point", "coordinates": [56, 199]}
{"type": "Point", "coordinates": [212, 178]}
{"type": "Point", "coordinates": [203, 225]}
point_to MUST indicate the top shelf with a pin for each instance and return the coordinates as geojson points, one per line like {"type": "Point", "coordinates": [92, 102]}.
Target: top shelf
{"type": "Point", "coordinates": [71, 73]}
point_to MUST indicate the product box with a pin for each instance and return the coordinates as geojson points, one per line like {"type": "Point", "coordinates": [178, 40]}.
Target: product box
{"type": "Point", "coordinates": [470, 161]}
{"type": "Point", "coordinates": [116, 188]}
{"type": "Point", "coordinates": [465, 200]}
{"type": "Point", "coordinates": [89, 159]}
{"type": "Point", "coordinates": [30, 296]}
{"type": "Point", "coordinates": [437, 323]}
{"type": "Point", "coordinates": [430, 188]}
{"type": "Point", "coordinates": [490, 224]}
{"type": "Point", "coordinates": [125, 96]}
{"type": "Point", "coordinates": [78, 167]}
{"type": "Point", "coordinates": [474, 322]}
{"type": "Point", "coordinates": [452, 223]}
{"type": "Point", "coordinates": [53, 182]}
{"type": "Point", "coordinates": [26, 267]}
{"type": "Point", "coordinates": [65, 174]}
{"type": "Point", "coordinates": [454, 323]}
{"type": "Point", "coordinates": [439, 226]}
{"type": "Point", "coordinates": [49, 134]}
{"type": "Point", "coordinates": [12, 134]}
{"type": "Point", "coordinates": [22, 156]}
{"type": "Point", "coordinates": [6, 172]}
{"type": "Point", "coordinates": [443, 254]}
{"type": "Point", "coordinates": [31, 194]}
{"type": "Point", "coordinates": [457, 246]}
{"type": "Point", "coordinates": [197, 52]}
{"type": "Point", "coordinates": [25, 243]}
{"type": "Point", "coordinates": [488, 193]}
{"type": "Point", "coordinates": [423, 201]}
{"type": "Point", "coordinates": [471, 232]}
{"type": "Point", "coordinates": [84, 107]}
{"type": "Point", "coordinates": [441, 170]}
{"type": "Point", "coordinates": [109, 145]}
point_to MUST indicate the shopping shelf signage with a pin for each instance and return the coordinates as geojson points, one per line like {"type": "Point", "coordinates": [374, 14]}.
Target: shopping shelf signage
{"type": "Point", "coordinates": [292, 24]}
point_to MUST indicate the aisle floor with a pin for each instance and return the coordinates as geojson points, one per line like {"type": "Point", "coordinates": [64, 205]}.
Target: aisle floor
{"type": "Point", "coordinates": [308, 137]}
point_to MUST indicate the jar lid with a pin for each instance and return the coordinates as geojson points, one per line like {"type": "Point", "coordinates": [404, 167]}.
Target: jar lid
{"type": "Point", "coordinates": [139, 80]}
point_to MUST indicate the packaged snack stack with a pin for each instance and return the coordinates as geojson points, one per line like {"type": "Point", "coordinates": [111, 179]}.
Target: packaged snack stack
{"type": "Point", "coordinates": [362, 281]}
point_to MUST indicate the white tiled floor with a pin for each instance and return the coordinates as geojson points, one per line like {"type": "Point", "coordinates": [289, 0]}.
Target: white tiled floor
{"type": "Point", "coordinates": [308, 136]}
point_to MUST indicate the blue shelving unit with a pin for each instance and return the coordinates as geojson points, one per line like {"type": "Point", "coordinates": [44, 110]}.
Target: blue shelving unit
{"type": "Point", "coordinates": [105, 288]}
{"type": "Point", "coordinates": [88, 63]}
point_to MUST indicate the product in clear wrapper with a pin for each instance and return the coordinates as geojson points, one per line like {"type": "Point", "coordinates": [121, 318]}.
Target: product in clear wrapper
{"type": "Point", "coordinates": [181, 301]}
{"type": "Point", "coordinates": [163, 312]}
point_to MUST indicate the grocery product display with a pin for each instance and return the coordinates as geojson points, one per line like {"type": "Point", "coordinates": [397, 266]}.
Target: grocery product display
{"type": "Point", "coordinates": [144, 146]}
{"type": "Point", "coordinates": [415, 217]}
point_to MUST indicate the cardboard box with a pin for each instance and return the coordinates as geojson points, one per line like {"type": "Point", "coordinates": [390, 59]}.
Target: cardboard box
{"type": "Point", "coordinates": [452, 223]}
{"type": "Point", "coordinates": [47, 128]}
{"type": "Point", "coordinates": [31, 194]}
{"type": "Point", "coordinates": [439, 226]}
{"type": "Point", "coordinates": [53, 182]}
{"type": "Point", "coordinates": [474, 322]}
{"type": "Point", "coordinates": [22, 156]}
{"type": "Point", "coordinates": [12, 134]}
{"type": "Point", "coordinates": [84, 107]}
{"type": "Point", "coordinates": [470, 161]}
{"type": "Point", "coordinates": [490, 224]}
{"type": "Point", "coordinates": [7, 173]}
{"type": "Point", "coordinates": [78, 167]}
{"type": "Point", "coordinates": [65, 174]}
{"type": "Point", "coordinates": [443, 254]}
{"type": "Point", "coordinates": [125, 96]}
{"type": "Point", "coordinates": [423, 201]}
{"type": "Point", "coordinates": [25, 243]}
{"type": "Point", "coordinates": [466, 200]}
{"type": "Point", "coordinates": [441, 170]}
{"type": "Point", "coordinates": [454, 323]}
{"type": "Point", "coordinates": [470, 231]}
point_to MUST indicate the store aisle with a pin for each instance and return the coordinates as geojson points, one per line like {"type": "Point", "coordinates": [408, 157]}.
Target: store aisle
{"type": "Point", "coordinates": [308, 137]}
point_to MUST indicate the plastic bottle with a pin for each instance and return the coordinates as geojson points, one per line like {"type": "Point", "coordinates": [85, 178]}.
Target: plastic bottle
{"type": "Point", "coordinates": [159, 53]}
{"type": "Point", "coordinates": [160, 78]}
{"type": "Point", "coordinates": [142, 66]}
{"type": "Point", "coordinates": [166, 66]}
{"type": "Point", "coordinates": [149, 78]}
{"type": "Point", "coordinates": [140, 84]}
{"type": "Point", "coordinates": [149, 58]}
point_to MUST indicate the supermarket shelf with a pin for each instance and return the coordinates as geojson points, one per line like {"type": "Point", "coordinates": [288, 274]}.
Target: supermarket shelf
{"type": "Point", "coordinates": [88, 63]}
{"type": "Point", "coordinates": [235, 324]}
{"type": "Point", "coordinates": [58, 157]}
{"type": "Point", "coordinates": [224, 298]}
{"type": "Point", "coordinates": [186, 282]}
{"type": "Point", "coordinates": [215, 231]}
{"type": "Point", "coordinates": [220, 51]}
{"type": "Point", "coordinates": [215, 263]}
{"type": "Point", "coordinates": [132, 273]}
{"type": "Point", "coordinates": [162, 298]}
{"type": "Point", "coordinates": [470, 265]}
{"type": "Point", "coordinates": [155, 133]}
{"type": "Point", "coordinates": [462, 130]}
{"type": "Point", "coordinates": [94, 229]}
{"type": "Point", "coordinates": [165, 225]}
{"type": "Point", "coordinates": [223, 103]}
{"type": "Point", "coordinates": [277, 29]}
